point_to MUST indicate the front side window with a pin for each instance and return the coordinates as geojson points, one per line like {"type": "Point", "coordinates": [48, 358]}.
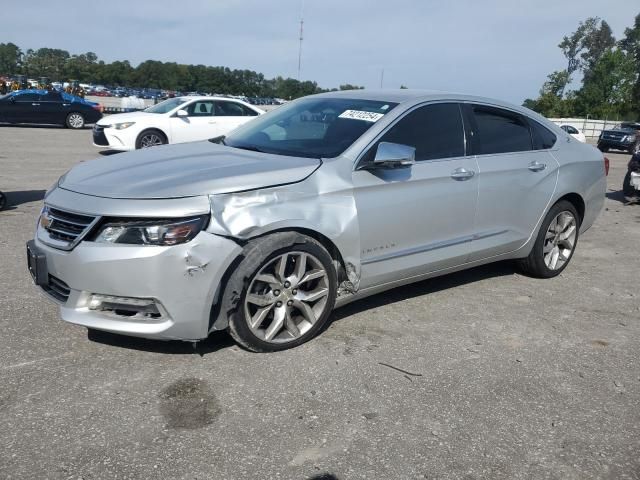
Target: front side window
{"type": "Point", "coordinates": [313, 127]}
{"type": "Point", "coordinates": [51, 97]}
{"type": "Point", "coordinates": [167, 105]}
{"type": "Point", "coordinates": [500, 131]}
{"type": "Point", "coordinates": [435, 131]}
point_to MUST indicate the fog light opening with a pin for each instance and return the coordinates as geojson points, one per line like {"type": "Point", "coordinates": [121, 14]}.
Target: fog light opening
{"type": "Point", "coordinates": [131, 308]}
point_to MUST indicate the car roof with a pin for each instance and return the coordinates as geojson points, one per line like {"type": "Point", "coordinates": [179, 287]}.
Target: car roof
{"type": "Point", "coordinates": [415, 96]}
{"type": "Point", "coordinates": [204, 97]}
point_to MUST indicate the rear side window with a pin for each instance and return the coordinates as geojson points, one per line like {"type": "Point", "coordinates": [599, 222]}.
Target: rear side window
{"type": "Point", "coordinates": [27, 97]}
{"type": "Point", "coordinates": [543, 138]}
{"type": "Point", "coordinates": [232, 109]}
{"type": "Point", "coordinates": [436, 131]}
{"type": "Point", "coordinates": [501, 131]}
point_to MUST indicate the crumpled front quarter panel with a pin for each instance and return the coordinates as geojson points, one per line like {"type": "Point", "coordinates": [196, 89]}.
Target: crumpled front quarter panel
{"type": "Point", "coordinates": [323, 203]}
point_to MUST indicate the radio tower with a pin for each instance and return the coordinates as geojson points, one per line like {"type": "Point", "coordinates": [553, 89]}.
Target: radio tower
{"type": "Point", "coordinates": [301, 38]}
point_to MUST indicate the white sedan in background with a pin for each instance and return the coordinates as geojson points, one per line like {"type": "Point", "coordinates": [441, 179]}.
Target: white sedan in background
{"type": "Point", "coordinates": [574, 132]}
{"type": "Point", "coordinates": [176, 120]}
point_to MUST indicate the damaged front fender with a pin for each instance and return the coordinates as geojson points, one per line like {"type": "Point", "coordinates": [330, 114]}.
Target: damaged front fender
{"type": "Point", "coordinates": [323, 203]}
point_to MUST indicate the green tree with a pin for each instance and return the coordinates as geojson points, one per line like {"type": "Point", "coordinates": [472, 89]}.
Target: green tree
{"type": "Point", "coordinates": [630, 44]}
{"type": "Point", "coordinates": [10, 58]}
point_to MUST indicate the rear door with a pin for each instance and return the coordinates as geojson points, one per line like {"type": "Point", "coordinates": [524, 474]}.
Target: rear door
{"type": "Point", "coordinates": [51, 108]}
{"type": "Point", "coordinates": [230, 115]}
{"type": "Point", "coordinates": [517, 177]}
{"type": "Point", "coordinates": [199, 125]}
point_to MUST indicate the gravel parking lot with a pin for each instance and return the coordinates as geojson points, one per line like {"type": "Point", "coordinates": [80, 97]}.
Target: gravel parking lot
{"type": "Point", "coordinates": [480, 374]}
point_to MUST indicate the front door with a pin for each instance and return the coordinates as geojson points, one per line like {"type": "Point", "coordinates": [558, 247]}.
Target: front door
{"type": "Point", "coordinates": [517, 177]}
{"type": "Point", "coordinates": [27, 108]}
{"type": "Point", "coordinates": [418, 219]}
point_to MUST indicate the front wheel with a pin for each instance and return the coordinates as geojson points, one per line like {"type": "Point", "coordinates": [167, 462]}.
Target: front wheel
{"type": "Point", "coordinates": [555, 243]}
{"type": "Point", "coordinates": [281, 294]}
{"type": "Point", "coordinates": [150, 138]}
{"type": "Point", "coordinates": [75, 120]}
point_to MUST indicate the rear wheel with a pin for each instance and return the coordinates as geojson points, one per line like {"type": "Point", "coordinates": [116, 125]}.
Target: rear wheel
{"type": "Point", "coordinates": [75, 120]}
{"type": "Point", "coordinates": [281, 294]}
{"type": "Point", "coordinates": [556, 242]}
{"type": "Point", "coordinates": [150, 138]}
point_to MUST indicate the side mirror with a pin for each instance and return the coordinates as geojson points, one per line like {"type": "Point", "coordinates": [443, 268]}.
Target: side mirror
{"type": "Point", "coordinates": [182, 113]}
{"type": "Point", "coordinates": [12, 99]}
{"type": "Point", "coordinates": [394, 155]}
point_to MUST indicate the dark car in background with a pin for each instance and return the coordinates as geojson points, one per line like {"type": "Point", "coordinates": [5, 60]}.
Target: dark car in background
{"type": "Point", "coordinates": [625, 136]}
{"type": "Point", "coordinates": [48, 107]}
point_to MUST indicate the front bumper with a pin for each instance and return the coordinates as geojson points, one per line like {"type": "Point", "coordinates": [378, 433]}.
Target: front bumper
{"type": "Point", "coordinates": [183, 279]}
{"type": "Point", "coordinates": [605, 143]}
{"type": "Point", "coordinates": [123, 140]}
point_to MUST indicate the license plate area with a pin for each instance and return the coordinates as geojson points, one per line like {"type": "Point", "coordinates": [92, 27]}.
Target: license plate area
{"type": "Point", "coordinates": [37, 264]}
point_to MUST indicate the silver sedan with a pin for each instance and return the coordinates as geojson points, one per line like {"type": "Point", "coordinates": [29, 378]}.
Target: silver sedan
{"type": "Point", "coordinates": [318, 203]}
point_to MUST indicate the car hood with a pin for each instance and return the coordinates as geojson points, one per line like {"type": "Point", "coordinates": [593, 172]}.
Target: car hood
{"type": "Point", "coordinates": [184, 170]}
{"type": "Point", "coordinates": [127, 117]}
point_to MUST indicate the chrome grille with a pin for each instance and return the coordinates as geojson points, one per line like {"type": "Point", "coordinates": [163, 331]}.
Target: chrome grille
{"type": "Point", "coordinates": [63, 229]}
{"type": "Point", "coordinates": [613, 136]}
{"type": "Point", "coordinates": [57, 289]}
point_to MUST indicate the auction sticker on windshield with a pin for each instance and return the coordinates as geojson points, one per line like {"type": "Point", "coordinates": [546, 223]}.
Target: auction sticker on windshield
{"type": "Point", "coordinates": [361, 115]}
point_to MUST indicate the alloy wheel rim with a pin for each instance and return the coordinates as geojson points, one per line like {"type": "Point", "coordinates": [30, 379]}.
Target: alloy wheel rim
{"type": "Point", "coordinates": [76, 121]}
{"type": "Point", "coordinates": [560, 240]}
{"type": "Point", "coordinates": [287, 297]}
{"type": "Point", "coordinates": [151, 140]}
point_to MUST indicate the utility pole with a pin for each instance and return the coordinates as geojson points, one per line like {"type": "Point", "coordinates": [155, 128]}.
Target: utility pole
{"type": "Point", "coordinates": [301, 38]}
{"type": "Point", "coordinates": [381, 78]}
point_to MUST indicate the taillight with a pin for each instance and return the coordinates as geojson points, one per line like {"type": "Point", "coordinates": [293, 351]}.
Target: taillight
{"type": "Point", "coordinates": [99, 108]}
{"type": "Point", "coordinates": [606, 166]}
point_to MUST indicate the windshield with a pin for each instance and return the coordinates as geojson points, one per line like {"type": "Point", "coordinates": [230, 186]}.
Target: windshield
{"type": "Point", "coordinates": [311, 127]}
{"type": "Point", "coordinates": [167, 105]}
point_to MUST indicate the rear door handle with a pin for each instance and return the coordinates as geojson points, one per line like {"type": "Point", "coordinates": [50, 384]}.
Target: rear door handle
{"type": "Point", "coordinates": [462, 174]}
{"type": "Point", "coordinates": [35, 104]}
{"type": "Point", "coordinates": [536, 166]}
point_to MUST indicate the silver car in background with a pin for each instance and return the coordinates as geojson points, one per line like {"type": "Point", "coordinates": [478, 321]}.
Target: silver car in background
{"type": "Point", "coordinates": [320, 202]}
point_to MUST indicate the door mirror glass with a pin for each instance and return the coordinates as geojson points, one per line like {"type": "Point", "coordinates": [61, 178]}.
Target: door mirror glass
{"type": "Point", "coordinates": [182, 113]}
{"type": "Point", "coordinates": [394, 155]}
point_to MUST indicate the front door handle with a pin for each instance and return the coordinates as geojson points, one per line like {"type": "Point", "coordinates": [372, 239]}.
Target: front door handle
{"type": "Point", "coordinates": [536, 166]}
{"type": "Point", "coordinates": [212, 122]}
{"type": "Point", "coordinates": [35, 104]}
{"type": "Point", "coordinates": [462, 174]}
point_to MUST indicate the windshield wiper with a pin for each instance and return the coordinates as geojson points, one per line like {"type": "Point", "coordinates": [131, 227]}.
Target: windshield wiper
{"type": "Point", "coordinates": [219, 140]}
{"type": "Point", "coordinates": [251, 148]}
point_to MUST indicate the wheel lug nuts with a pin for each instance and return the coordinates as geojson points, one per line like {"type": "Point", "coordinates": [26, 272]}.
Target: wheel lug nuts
{"type": "Point", "coordinates": [289, 303]}
{"type": "Point", "coordinates": [287, 284]}
{"type": "Point", "coordinates": [294, 291]}
{"type": "Point", "coordinates": [276, 292]}
{"type": "Point", "coordinates": [279, 304]}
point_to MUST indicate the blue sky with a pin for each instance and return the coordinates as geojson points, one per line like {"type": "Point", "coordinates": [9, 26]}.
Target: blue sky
{"type": "Point", "coordinates": [496, 48]}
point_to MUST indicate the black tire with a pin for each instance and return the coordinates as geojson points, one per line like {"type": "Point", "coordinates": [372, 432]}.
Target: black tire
{"type": "Point", "coordinates": [75, 120]}
{"type": "Point", "coordinates": [257, 254]}
{"type": "Point", "coordinates": [149, 134]}
{"type": "Point", "coordinates": [3, 201]}
{"type": "Point", "coordinates": [534, 265]}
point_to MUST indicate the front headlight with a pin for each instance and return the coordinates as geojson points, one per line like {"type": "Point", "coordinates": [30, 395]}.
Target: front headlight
{"type": "Point", "coordinates": [122, 126]}
{"type": "Point", "coordinates": [150, 232]}
{"type": "Point", "coordinates": [630, 138]}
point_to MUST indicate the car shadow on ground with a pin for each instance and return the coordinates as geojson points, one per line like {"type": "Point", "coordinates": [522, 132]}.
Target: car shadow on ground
{"type": "Point", "coordinates": [216, 341]}
{"type": "Point", "coordinates": [222, 340]}
{"type": "Point", "coordinates": [617, 196]}
{"type": "Point", "coordinates": [109, 152]}
{"type": "Point", "coordinates": [23, 196]}
{"type": "Point", "coordinates": [425, 287]}
{"type": "Point", "coordinates": [32, 125]}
